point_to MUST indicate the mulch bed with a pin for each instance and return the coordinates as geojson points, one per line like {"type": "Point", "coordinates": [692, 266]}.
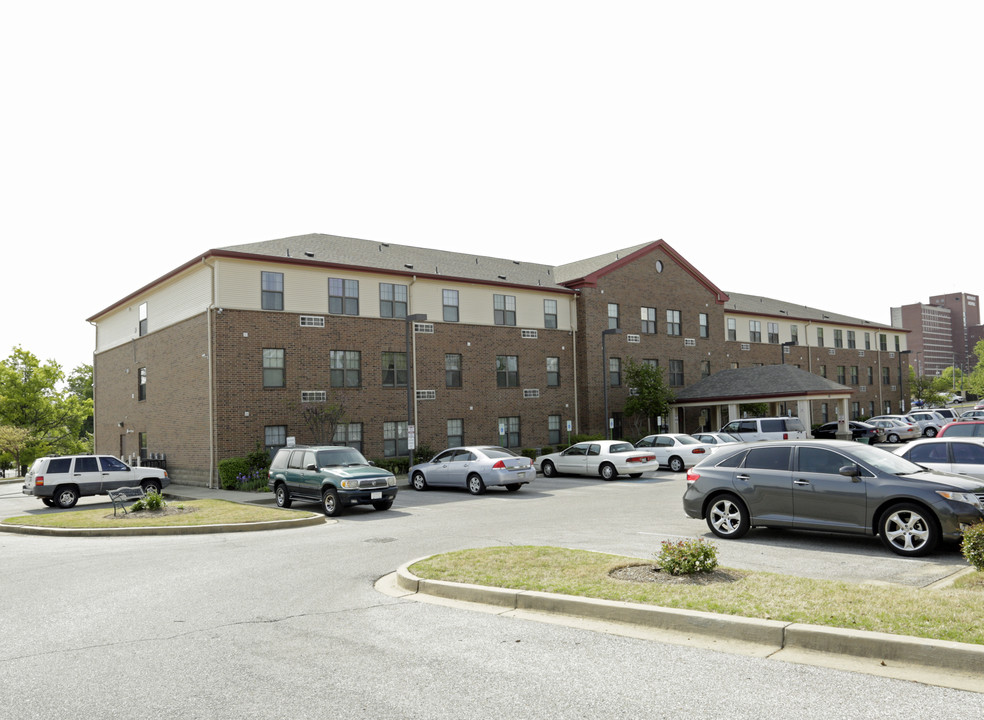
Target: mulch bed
{"type": "Point", "coordinates": [652, 573]}
{"type": "Point", "coordinates": [140, 515]}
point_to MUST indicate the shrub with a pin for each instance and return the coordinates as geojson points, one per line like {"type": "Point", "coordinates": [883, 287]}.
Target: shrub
{"type": "Point", "coordinates": [973, 546]}
{"type": "Point", "coordinates": [546, 450]}
{"type": "Point", "coordinates": [531, 453]}
{"type": "Point", "coordinates": [154, 500]}
{"type": "Point", "coordinates": [230, 469]}
{"type": "Point", "coordinates": [686, 557]}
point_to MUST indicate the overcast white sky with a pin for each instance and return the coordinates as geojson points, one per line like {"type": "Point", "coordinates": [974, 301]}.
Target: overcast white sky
{"type": "Point", "coordinates": [828, 153]}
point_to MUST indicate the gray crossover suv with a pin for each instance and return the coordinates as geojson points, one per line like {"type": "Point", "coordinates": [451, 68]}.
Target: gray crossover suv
{"type": "Point", "coordinates": [835, 486]}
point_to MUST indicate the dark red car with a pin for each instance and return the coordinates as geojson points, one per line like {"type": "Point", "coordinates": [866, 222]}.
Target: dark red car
{"type": "Point", "coordinates": [963, 428]}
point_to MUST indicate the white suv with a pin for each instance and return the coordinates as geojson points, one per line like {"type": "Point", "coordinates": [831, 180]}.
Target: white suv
{"type": "Point", "coordinates": [61, 481]}
{"type": "Point", "coordinates": [929, 421]}
{"type": "Point", "coordinates": [774, 428]}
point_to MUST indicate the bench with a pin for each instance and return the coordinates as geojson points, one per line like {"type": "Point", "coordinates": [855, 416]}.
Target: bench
{"type": "Point", "coordinates": [124, 495]}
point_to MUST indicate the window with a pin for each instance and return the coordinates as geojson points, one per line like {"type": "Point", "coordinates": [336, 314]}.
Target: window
{"type": "Point", "coordinates": [773, 329]}
{"type": "Point", "coordinates": [141, 443]}
{"type": "Point", "coordinates": [612, 316]}
{"type": "Point", "coordinates": [838, 338]}
{"type": "Point", "coordinates": [704, 328]}
{"type": "Point", "coordinates": [312, 321]}
{"type": "Point", "coordinates": [705, 369]}
{"type": "Point", "coordinates": [349, 435]}
{"type": "Point", "coordinates": [142, 384]}
{"type": "Point", "coordinates": [343, 296]}
{"type": "Point", "coordinates": [824, 413]}
{"type": "Point", "coordinates": [553, 371]}
{"type": "Point", "coordinates": [841, 374]}
{"type": "Point", "coordinates": [456, 432]}
{"type": "Point", "coordinates": [346, 368]}
{"type": "Point", "coordinates": [452, 370]}
{"type": "Point", "coordinates": [274, 375]}
{"type": "Point", "coordinates": [755, 330]}
{"type": "Point", "coordinates": [673, 322]}
{"type": "Point", "coordinates": [450, 305]}
{"type": "Point", "coordinates": [275, 436]}
{"type": "Point", "coordinates": [732, 329]}
{"type": "Point", "coordinates": [819, 337]}
{"type": "Point", "coordinates": [823, 371]}
{"type": "Point", "coordinates": [886, 376]}
{"type": "Point", "coordinates": [648, 320]}
{"type": "Point", "coordinates": [819, 460]}
{"type": "Point", "coordinates": [553, 430]}
{"type": "Point", "coordinates": [867, 341]}
{"type": "Point", "coordinates": [272, 290]}
{"type": "Point", "coordinates": [897, 345]}
{"type": "Point", "coordinates": [507, 371]}
{"type": "Point", "coordinates": [395, 439]}
{"type": "Point", "coordinates": [651, 362]}
{"type": "Point", "coordinates": [392, 300]}
{"type": "Point", "coordinates": [510, 436]}
{"type": "Point", "coordinates": [965, 453]}
{"type": "Point", "coordinates": [549, 313]}
{"type": "Point", "coordinates": [888, 407]}
{"type": "Point", "coordinates": [394, 369]}
{"type": "Point", "coordinates": [615, 372]}
{"type": "Point", "coordinates": [308, 396]}
{"type": "Point", "coordinates": [871, 408]}
{"type": "Point", "coordinates": [676, 373]}
{"type": "Point", "coordinates": [855, 410]}
{"type": "Point", "coordinates": [852, 342]}
{"type": "Point", "coordinates": [794, 334]}
{"type": "Point", "coordinates": [504, 307]}
{"type": "Point", "coordinates": [882, 341]}
{"type": "Point", "coordinates": [854, 374]}
{"type": "Point", "coordinates": [771, 458]}
{"type": "Point", "coordinates": [871, 379]}
{"type": "Point", "coordinates": [142, 319]}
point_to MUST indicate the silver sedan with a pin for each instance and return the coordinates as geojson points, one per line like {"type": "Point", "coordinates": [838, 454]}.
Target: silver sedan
{"type": "Point", "coordinates": [475, 467]}
{"type": "Point", "coordinates": [607, 458]}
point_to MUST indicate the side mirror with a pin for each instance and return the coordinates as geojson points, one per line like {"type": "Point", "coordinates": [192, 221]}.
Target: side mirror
{"type": "Point", "coordinates": [850, 471]}
{"type": "Point", "coordinates": [311, 467]}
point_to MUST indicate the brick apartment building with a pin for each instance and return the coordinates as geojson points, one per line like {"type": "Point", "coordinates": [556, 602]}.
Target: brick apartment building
{"type": "Point", "coordinates": [228, 350]}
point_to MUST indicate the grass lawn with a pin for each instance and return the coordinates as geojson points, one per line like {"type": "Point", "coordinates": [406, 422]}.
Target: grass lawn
{"type": "Point", "coordinates": [184, 512]}
{"type": "Point", "coordinates": [954, 613]}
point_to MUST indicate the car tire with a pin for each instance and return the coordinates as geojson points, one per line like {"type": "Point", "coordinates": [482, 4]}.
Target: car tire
{"type": "Point", "coordinates": [607, 471]}
{"type": "Point", "coordinates": [727, 517]}
{"type": "Point", "coordinates": [548, 469]}
{"type": "Point", "coordinates": [283, 497]}
{"type": "Point", "coordinates": [383, 504]}
{"type": "Point", "coordinates": [48, 501]}
{"type": "Point", "coordinates": [513, 487]}
{"type": "Point", "coordinates": [418, 482]}
{"type": "Point", "coordinates": [65, 496]}
{"type": "Point", "coordinates": [909, 530]}
{"type": "Point", "coordinates": [676, 464]}
{"type": "Point", "coordinates": [151, 486]}
{"type": "Point", "coordinates": [329, 502]}
{"type": "Point", "coordinates": [930, 432]}
{"type": "Point", "coordinates": [476, 486]}
{"type": "Point", "coordinates": [893, 438]}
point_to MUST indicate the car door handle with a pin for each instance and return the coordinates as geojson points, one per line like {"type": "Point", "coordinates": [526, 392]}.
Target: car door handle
{"type": "Point", "coordinates": [801, 482]}
{"type": "Point", "coordinates": [742, 477]}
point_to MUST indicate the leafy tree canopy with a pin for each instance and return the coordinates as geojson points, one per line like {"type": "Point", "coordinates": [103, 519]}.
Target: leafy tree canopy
{"type": "Point", "coordinates": [975, 381]}
{"type": "Point", "coordinates": [650, 397]}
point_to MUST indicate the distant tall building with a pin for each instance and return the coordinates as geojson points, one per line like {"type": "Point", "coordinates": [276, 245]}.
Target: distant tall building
{"type": "Point", "coordinates": [943, 331]}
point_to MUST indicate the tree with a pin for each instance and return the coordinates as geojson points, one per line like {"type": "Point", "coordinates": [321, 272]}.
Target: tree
{"type": "Point", "coordinates": [921, 387]}
{"type": "Point", "coordinates": [81, 386]}
{"type": "Point", "coordinates": [12, 442]}
{"type": "Point", "coordinates": [650, 397]}
{"type": "Point", "coordinates": [975, 381]}
{"type": "Point", "coordinates": [322, 419]}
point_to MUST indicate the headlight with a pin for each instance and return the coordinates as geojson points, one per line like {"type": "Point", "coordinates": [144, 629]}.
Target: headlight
{"type": "Point", "coordinates": [391, 482]}
{"type": "Point", "coordinates": [350, 484]}
{"type": "Point", "coordinates": [968, 498]}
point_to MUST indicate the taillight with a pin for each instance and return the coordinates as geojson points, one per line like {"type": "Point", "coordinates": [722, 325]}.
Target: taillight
{"type": "Point", "coordinates": [642, 458]}
{"type": "Point", "coordinates": [692, 476]}
{"type": "Point", "coordinates": [499, 466]}
{"type": "Point", "coordinates": [39, 481]}
{"type": "Point", "coordinates": [785, 436]}
{"type": "Point", "coordinates": [698, 451]}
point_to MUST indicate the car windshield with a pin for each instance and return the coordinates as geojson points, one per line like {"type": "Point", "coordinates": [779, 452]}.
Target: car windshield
{"type": "Point", "coordinates": [621, 447]}
{"type": "Point", "coordinates": [687, 440]}
{"type": "Point", "coordinates": [885, 462]}
{"type": "Point", "coordinates": [340, 457]}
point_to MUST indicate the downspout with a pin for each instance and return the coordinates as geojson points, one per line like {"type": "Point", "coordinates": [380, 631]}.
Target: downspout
{"type": "Point", "coordinates": [210, 342]}
{"type": "Point", "coordinates": [573, 324]}
{"type": "Point", "coordinates": [95, 445]}
{"type": "Point", "coordinates": [413, 340]}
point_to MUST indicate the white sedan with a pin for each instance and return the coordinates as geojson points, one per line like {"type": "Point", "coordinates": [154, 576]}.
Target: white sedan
{"type": "Point", "coordinates": [676, 450]}
{"type": "Point", "coordinates": [607, 458]}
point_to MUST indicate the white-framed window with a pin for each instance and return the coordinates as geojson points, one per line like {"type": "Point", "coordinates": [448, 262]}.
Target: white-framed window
{"type": "Point", "coordinates": [648, 318]}
{"type": "Point", "coordinates": [456, 432]}
{"type": "Point", "coordinates": [550, 314]}
{"type": "Point", "coordinates": [343, 296]}
{"type": "Point", "coordinates": [704, 327]}
{"type": "Point", "coordinates": [553, 371]}
{"type": "Point", "coordinates": [395, 438]}
{"type": "Point", "coordinates": [142, 319]}
{"type": "Point", "coordinates": [673, 324]}
{"type": "Point", "coordinates": [345, 368]}
{"type": "Point", "coordinates": [274, 368]}
{"type": "Point", "coordinates": [349, 434]}
{"type": "Point", "coordinates": [504, 309]}
{"type": "Point", "coordinates": [755, 330]}
{"type": "Point", "coordinates": [392, 300]}
{"type": "Point", "coordinates": [450, 300]}
{"type": "Point", "coordinates": [612, 316]}
{"type": "Point", "coordinates": [271, 290]}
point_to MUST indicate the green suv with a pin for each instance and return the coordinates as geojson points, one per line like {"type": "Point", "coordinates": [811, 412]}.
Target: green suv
{"type": "Point", "coordinates": [334, 476]}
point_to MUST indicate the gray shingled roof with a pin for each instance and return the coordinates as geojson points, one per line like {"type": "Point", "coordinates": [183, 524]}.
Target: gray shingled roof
{"type": "Point", "coordinates": [759, 382]}
{"type": "Point", "coordinates": [582, 268]}
{"type": "Point", "coordinates": [402, 258]}
{"type": "Point", "coordinates": [770, 306]}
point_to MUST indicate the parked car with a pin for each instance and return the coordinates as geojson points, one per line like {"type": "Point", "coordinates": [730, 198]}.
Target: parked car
{"type": "Point", "coordinates": [859, 431]}
{"type": "Point", "coordinates": [774, 428]}
{"type": "Point", "coordinates": [675, 450]}
{"type": "Point", "coordinates": [972, 415]}
{"type": "Point", "coordinates": [968, 428]}
{"type": "Point", "coordinates": [979, 406]}
{"type": "Point", "coordinates": [948, 414]}
{"type": "Point", "coordinates": [717, 438]}
{"type": "Point", "coordinates": [61, 481]}
{"type": "Point", "coordinates": [895, 431]}
{"type": "Point", "coordinates": [947, 454]}
{"type": "Point", "coordinates": [929, 421]}
{"type": "Point", "coordinates": [336, 476]}
{"type": "Point", "coordinates": [955, 399]}
{"type": "Point", "coordinates": [607, 458]}
{"type": "Point", "coordinates": [933, 425]}
{"type": "Point", "coordinates": [475, 467]}
{"type": "Point", "coordinates": [833, 486]}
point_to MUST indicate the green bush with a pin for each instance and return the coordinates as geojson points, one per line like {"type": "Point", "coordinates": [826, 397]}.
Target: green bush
{"type": "Point", "coordinates": [230, 471]}
{"type": "Point", "coordinates": [584, 438]}
{"type": "Point", "coordinates": [973, 546]}
{"type": "Point", "coordinates": [396, 465]}
{"type": "Point", "coordinates": [531, 453]}
{"type": "Point", "coordinates": [686, 557]}
{"type": "Point", "coordinates": [546, 450]}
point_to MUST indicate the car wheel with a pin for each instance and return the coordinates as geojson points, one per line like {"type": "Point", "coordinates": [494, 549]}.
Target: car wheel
{"type": "Point", "coordinates": [676, 464]}
{"type": "Point", "coordinates": [513, 487]}
{"type": "Point", "coordinates": [283, 496]}
{"type": "Point", "coordinates": [476, 486]}
{"type": "Point", "coordinates": [548, 469]}
{"type": "Point", "coordinates": [727, 517]}
{"type": "Point", "coordinates": [607, 471]}
{"type": "Point", "coordinates": [329, 502]}
{"type": "Point", "coordinates": [635, 475]}
{"type": "Point", "coordinates": [383, 504]}
{"type": "Point", "coordinates": [48, 501]}
{"type": "Point", "coordinates": [151, 486]}
{"type": "Point", "coordinates": [909, 530]}
{"type": "Point", "coordinates": [65, 497]}
{"type": "Point", "coordinates": [418, 481]}
{"type": "Point", "coordinates": [893, 438]}
{"type": "Point", "coordinates": [930, 432]}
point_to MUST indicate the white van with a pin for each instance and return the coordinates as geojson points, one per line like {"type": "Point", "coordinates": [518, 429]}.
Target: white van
{"type": "Point", "coordinates": [774, 428]}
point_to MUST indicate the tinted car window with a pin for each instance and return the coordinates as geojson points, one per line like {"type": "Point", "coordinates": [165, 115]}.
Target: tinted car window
{"type": "Point", "coordinates": [621, 447]}
{"type": "Point", "coordinates": [968, 453]}
{"type": "Point", "coordinates": [499, 452]}
{"type": "Point", "coordinates": [772, 458]}
{"type": "Point", "coordinates": [932, 452]}
{"type": "Point", "coordinates": [594, 450]}
{"type": "Point", "coordinates": [773, 426]}
{"type": "Point", "coordinates": [444, 456]}
{"type": "Point", "coordinates": [575, 450]}
{"type": "Point", "coordinates": [464, 456]}
{"type": "Point", "coordinates": [59, 465]}
{"type": "Point", "coordinates": [819, 460]}
{"type": "Point", "coordinates": [734, 460]}
{"type": "Point", "coordinates": [296, 459]}
{"type": "Point", "coordinates": [968, 430]}
{"type": "Point", "coordinates": [794, 424]}
{"type": "Point", "coordinates": [86, 464]}
{"type": "Point", "coordinates": [339, 457]}
{"type": "Point", "coordinates": [280, 460]}
{"type": "Point", "coordinates": [111, 463]}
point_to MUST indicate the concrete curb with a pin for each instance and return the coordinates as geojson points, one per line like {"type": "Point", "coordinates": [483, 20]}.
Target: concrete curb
{"type": "Point", "coordinates": [174, 530]}
{"type": "Point", "coordinates": [963, 658]}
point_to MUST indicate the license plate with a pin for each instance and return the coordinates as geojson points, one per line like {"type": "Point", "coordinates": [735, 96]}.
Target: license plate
{"type": "Point", "coordinates": [522, 474]}
{"type": "Point", "coordinates": [376, 496]}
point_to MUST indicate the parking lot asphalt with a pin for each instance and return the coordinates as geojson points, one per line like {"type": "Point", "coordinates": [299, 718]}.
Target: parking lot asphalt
{"type": "Point", "coordinates": [948, 664]}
